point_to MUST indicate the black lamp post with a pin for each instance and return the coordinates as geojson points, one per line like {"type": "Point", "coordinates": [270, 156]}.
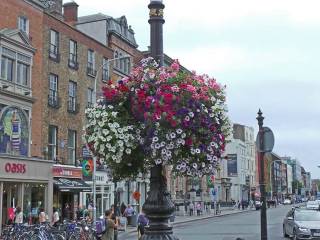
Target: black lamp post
{"type": "Point", "coordinates": [158, 205]}
{"type": "Point", "coordinates": [263, 213]}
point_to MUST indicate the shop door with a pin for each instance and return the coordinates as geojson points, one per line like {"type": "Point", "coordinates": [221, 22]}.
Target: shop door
{"type": "Point", "coordinates": [11, 199]}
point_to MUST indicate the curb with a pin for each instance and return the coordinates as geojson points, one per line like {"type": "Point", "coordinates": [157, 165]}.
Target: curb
{"type": "Point", "coordinates": [196, 219]}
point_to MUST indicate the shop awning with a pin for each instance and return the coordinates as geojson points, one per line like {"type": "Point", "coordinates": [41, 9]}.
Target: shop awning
{"type": "Point", "coordinates": [71, 185]}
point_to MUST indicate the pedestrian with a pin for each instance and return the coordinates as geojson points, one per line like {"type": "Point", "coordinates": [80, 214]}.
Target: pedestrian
{"type": "Point", "coordinates": [128, 213]}
{"type": "Point", "coordinates": [110, 226]}
{"type": "Point", "coordinates": [115, 219]}
{"type": "Point", "coordinates": [198, 207]}
{"type": "Point", "coordinates": [66, 212]}
{"type": "Point", "coordinates": [122, 208]}
{"type": "Point", "coordinates": [191, 206]}
{"type": "Point", "coordinates": [42, 216]}
{"type": "Point", "coordinates": [239, 205]}
{"type": "Point", "coordinates": [18, 219]}
{"type": "Point", "coordinates": [142, 222]}
{"type": "Point", "coordinates": [55, 217]}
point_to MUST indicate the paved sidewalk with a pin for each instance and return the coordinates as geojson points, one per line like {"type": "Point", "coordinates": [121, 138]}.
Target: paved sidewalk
{"type": "Point", "coordinates": [187, 218]}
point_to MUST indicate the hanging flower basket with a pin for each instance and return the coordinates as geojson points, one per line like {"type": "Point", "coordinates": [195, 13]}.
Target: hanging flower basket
{"type": "Point", "coordinates": [159, 116]}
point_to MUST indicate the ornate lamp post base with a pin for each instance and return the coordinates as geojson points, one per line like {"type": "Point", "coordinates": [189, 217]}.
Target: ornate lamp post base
{"type": "Point", "coordinates": [158, 208]}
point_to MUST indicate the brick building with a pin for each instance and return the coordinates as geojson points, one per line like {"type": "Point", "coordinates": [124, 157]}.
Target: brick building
{"type": "Point", "coordinates": [48, 73]}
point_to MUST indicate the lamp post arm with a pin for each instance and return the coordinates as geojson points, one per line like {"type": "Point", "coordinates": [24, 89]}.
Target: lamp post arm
{"type": "Point", "coordinates": [100, 68]}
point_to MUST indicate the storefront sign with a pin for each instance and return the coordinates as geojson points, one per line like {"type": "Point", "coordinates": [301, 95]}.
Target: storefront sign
{"type": "Point", "coordinates": [15, 168]}
{"type": "Point", "coordinates": [232, 165]}
{"type": "Point", "coordinates": [62, 171]}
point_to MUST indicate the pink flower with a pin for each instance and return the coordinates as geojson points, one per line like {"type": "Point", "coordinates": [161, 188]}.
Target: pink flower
{"type": "Point", "coordinates": [175, 65]}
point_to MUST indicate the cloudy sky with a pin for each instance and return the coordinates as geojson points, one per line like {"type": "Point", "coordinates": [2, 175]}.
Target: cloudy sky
{"type": "Point", "coordinates": [266, 52]}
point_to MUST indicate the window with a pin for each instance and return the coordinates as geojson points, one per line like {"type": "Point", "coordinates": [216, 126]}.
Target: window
{"type": "Point", "coordinates": [90, 97]}
{"type": "Point", "coordinates": [105, 69]}
{"type": "Point", "coordinates": [53, 91]}
{"type": "Point", "coordinates": [7, 68]}
{"type": "Point", "coordinates": [22, 74]}
{"type": "Point", "coordinates": [122, 62]}
{"type": "Point", "coordinates": [54, 45]}
{"type": "Point", "coordinates": [23, 24]}
{"type": "Point", "coordinates": [116, 55]}
{"type": "Point", "coordinates": [73, 63]}
{"type": "Point", "coordinates": [52, 143]}
{"type": "Point", "coordinates": [72, 96]}
{"type": "Point", "coordinates": [72, 147]}
{"type": "Point", "coordinates": [90, 66]}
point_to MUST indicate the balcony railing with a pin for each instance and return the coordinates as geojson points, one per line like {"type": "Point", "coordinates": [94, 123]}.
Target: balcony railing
{"type": "Point", "coordinates": [73, 107]}
{"type": "Point", "coordinates": [72, 61]}
{"type": "Point", "coordinates": [54, 53]}
{"type": "Point", "coordinates": [54, 102]}
{"type": "Point", "coordinates": [90, 70]}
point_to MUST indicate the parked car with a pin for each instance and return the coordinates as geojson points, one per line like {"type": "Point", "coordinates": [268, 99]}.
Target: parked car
{"type": "Point", "coordinates": [287, 201]}
{"type": "Point", "coordinates": [302, 224]}
{"type": "Point", "coordinates": [313, 205]}
{"type": "Point", "coordinates": [257, 205]}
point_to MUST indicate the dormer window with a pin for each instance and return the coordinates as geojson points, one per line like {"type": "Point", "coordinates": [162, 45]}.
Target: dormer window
{"type": "Point", "coordinates": [23, 24]}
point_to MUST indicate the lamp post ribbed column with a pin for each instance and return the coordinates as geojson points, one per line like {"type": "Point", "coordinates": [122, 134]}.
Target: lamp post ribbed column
{"type": "Point", "coordinates": [158, 205]}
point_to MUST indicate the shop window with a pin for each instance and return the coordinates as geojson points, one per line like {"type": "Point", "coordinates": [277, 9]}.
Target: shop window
{"type": "Point", "coordinates": [33, 201]}
{"type": "Point", "coordinates": [14, 132]}
{"type": "Point", "coordinates": [52, 142]}
{"type": "Point", "coordinates": [72, 136]}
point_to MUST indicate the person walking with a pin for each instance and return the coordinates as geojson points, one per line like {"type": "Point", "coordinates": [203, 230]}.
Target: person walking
{"type": "Point", "coordinates": [143, 221]}
{"type": "Point", "coordinates": [128, 213]}
{"type": "Point", "coordinates": [55, 217]}
{"type": "Point", "coordinates": [114, 217]}
{"type": "Point", "coordinates": [198, 206]}
{"type": "Point", "coordinates": [110, 226]}
{"type": "Point", "coordinates": [18, 219]}
{"type": "Point", "coordinates": [191, 206]}
{"type": "Point", "coordinates": [42, 216]}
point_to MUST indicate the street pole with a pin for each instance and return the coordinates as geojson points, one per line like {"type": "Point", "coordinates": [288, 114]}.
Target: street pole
{"type": "Point", "coordinates": [158, 205]}
{"type": "Point", "coordinates": [94, 157]}
{"type": "Point", "coordinates": [263, 212]}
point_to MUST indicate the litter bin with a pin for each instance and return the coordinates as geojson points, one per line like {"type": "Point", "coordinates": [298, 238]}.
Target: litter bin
{"type": "Point", "coordinates": [133, 220]}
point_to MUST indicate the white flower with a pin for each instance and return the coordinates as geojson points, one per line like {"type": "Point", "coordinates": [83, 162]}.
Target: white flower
{"type": "Point", "coordinates": [120, 130]}
{"type": "Point", "coordinates": [162, 144]}
{"type": "Point", "coordinates": [192, 151]}
{"type": "Point", "coordinates": [173, 135]}
{"type": "Point", "coordinates": [158, 161]}
{"type": "Point", "coordinates": [195, 166]}
{"type": "Point", "coordinates": [157, 146]}
{"type": "Point", "coordinates": [109, 138]}
{"type": "Point", "coordinates": [191, 114]}
{"type": "Point", "coordinates": [155, 139]}
{"type": "Point", "coordinates": [179, 131]}
{"type": "Point", "coordinates": [187, 118]}
{"type": "Point", "coordinates": [128, 151]}
{"type": "Point", "coordinates": [163, 151]}
{"type": "Point", "coordinates": [183, 135]}
{"type": "Point", "coordinates": [110, 106]}
{"type": "Point", "coordinates": [120, 143]}
{"type": "Point", "coordinates": [198, 150]}
{"type": "Point", "coordinates": [114, 114]}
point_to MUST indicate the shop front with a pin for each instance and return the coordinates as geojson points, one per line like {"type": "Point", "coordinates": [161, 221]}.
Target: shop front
{"type": "Point", "coordinates": [68, 184]}
{"type": "Point", "coordinates": [26, 183]}
{"type": "Point", "coordinates": [104, 193]}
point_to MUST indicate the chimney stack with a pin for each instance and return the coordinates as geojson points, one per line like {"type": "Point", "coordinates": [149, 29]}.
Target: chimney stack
{"type": "Point", "coordinates": [70, 12]}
